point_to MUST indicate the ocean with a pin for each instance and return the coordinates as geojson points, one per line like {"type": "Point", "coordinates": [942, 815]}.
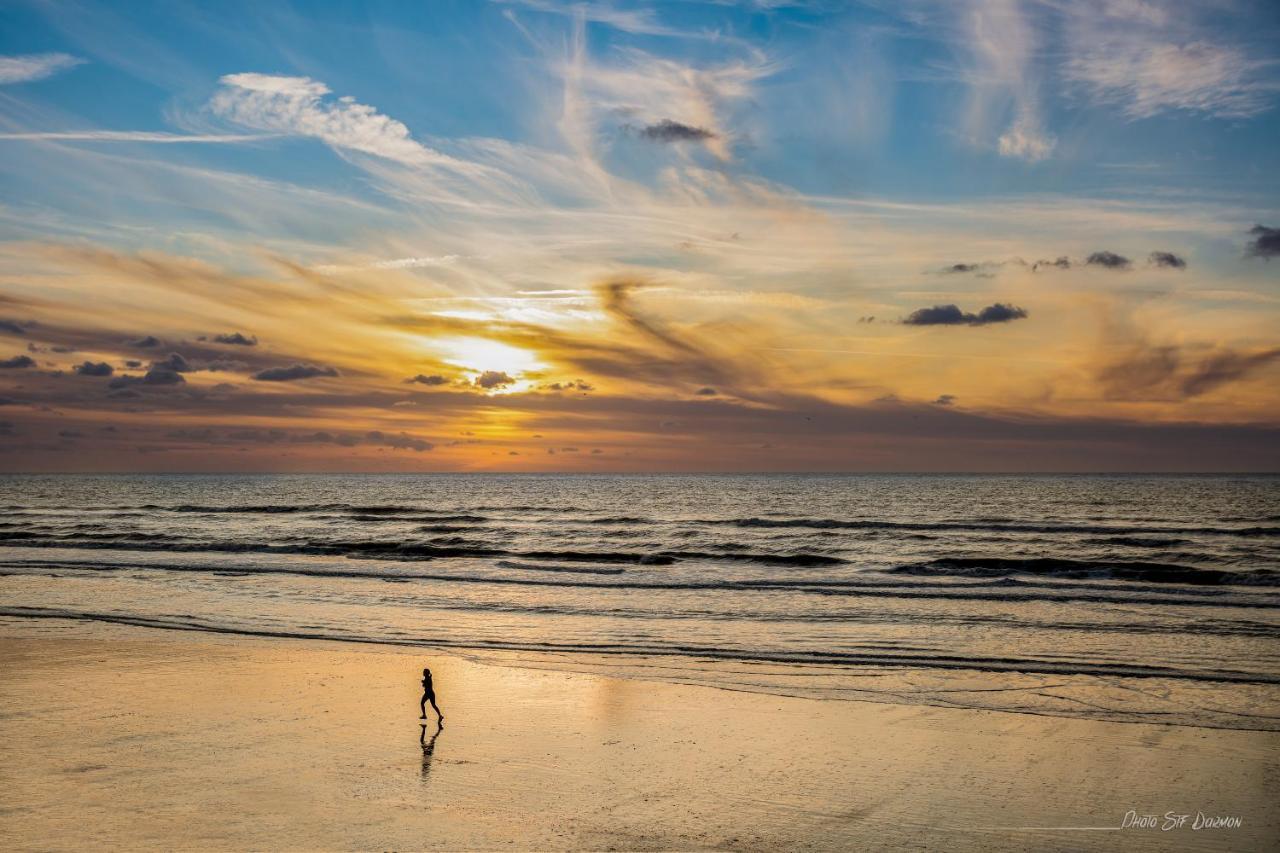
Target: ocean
{"type": "Point", "coordinates": [1128, 598]}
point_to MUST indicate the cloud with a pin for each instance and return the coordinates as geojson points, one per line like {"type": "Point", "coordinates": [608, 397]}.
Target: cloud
{"type": "Point", "coordinates": [706, 392]}
{"type": "Point", "coordinates": [293, 372]}
{"type": "Point", "coordinates": [160, 374]}
{"type": "Point", "coordinates": [1025, 140]}
{"type": "Point", "coordinates": [1265, 242]}
{"type": "Point", "coordinates": [133, 136]}
{"type": "Point", "coordinates": [982, 269]}
{"type": "Point", "coordinates": [18, 361]}
{"type": "Point", "coordinates": [401, 441]}
{"type": "Point", "coordinates": [298, 105]}
{"type": "Point", "coordinates": [433, 380]}
{"type": "Point", "coordinates": [237, 339]}
{"type": "Point", "coordinates": [1062, 263]}
{"type": "Point", "coordinates": [945, 400]}
{"type": "Point", "coordinates": [1110, 260]}
{"type": "Point", "coordinates": [951, 315]}
{"type": "Point", "coordinates": [175, 363]}
{"type": "Point", "coordinates": [34, 66]}
{"type": "Point", "coordinates": [89, 368]}
{"type": "Point", "coordinates": [494, 379]}
{"type": "Point", "coordinates": [1167, 260]}
{"type": "Point", "coordinates": [1145, 372]}
{"type": "Point", "coordinates": [576, 385]}
{"type": "Point", "coordinates": [15, 327]}
{"type": "Point", "coordinates": [667, 130]}
{"type": "Point", "coordinates": [1145, 71]}
{"type": "Point", "coordinates": [1003, 80]}
{"type": "Point", "coordinates": [149, 342]}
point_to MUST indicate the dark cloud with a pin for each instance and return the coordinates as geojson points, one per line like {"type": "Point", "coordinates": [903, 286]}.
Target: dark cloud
{"type": "Point", "coordinates": [706, 392]}
{"type": "Point", "coordinates": [18, 361]}
{"type": "Point", "coordinates": [1265, 242]}
{"type": "Point", "coordinates": [1109, 260]}
{"type": "Point", "coordinates": [1167, 260]}
{"type": "Point", "coordinates": [293, 372]}
{"type": "Point", "coordinates": [341, 439]}
{"type": "Point", "coordinates": [133, 364]}
{"type": "Point", "coordinates": [175, 363]}
{"type": "Point", "coordinates": [208, 435]}
{"type": "Point", "coordinates": [149, 342]}
{"type": "Point", "coordinates": [15, 327]}
{"type": "Point", "coordinates": [162, 376]}
{"type": "Point", "coordinates": [89, 368]}
{"type": "Point", "coordinates": [431, 381]}
{"type": "Point", "coordinates": [576, 385]}
{"type": "Point", "coordinates": [159, 375]}
{"type": "Point", "coordinates": [945, 400]}
{"type": "Point", "coordinates": [1062, 263]}
{"type": "Point", "coordinates": [8, 401]}
{"type": "Point", "coordinates": [982, 269]}
{"type": "Point", "coordinates": [1145, 372]}
{"type": "Point", "coordinates": [236, 339]}
{"type": "Point", "coordinates": [494, 379]}
{"type": "Point", "coordinates": [951, 315]}
{"type": "Point", "coordinates": [402, 441]}
{"type": "Point", "coordinates": [674, 131]}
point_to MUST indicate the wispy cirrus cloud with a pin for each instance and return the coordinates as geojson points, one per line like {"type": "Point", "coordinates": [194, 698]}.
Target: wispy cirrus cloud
{"type": "Point", "coordinates": [134, 136]}
{"type": "Point", "coordinates": [1002, 43]}
{"type": "Point", "coordinates": [302, 106]}
{"type": "Point", "coordinates": [25, 68]}
{"type": "Point", "coordinates": [1148, 57]}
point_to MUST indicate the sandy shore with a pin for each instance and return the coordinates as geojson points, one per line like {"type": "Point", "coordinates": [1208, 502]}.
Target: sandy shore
{"type": "Point", "coordinates": [135, 738]}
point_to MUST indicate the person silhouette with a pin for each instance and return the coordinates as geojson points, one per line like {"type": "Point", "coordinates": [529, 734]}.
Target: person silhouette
{"type": "Point", "coordinates": [429, 695]}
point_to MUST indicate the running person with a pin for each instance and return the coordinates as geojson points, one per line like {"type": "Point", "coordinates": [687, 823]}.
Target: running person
{"type": "Point", "coordinates": [429, 695]}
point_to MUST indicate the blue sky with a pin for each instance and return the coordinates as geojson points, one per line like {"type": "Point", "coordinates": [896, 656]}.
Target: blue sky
{"type": "Point", "coordinates": [802, 176]}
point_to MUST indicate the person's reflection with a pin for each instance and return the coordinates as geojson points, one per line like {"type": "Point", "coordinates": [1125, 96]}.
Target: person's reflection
{"type": "Point", "coordinates": [428, 747]}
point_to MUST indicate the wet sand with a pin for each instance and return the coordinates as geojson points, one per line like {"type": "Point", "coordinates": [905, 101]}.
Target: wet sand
{"type": "Point", "coordinates": [134, 738]}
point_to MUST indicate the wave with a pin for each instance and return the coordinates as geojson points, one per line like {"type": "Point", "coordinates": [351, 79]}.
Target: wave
{"type": "Point", "coordinates": [801, 559]}
{"type": "Point", "coordinates": [1136, 542]}
{"type": "Point", "coordinates": [334, 548]}
{"type": "Point", "coordinates": [876, 658]}
{"type": "Point", "coordinates": [1005, 527]}
{"type": "Point", "coordinates": [1160, 573]}
{"type": "Point", "coordinates": [258, 509]}
{"type": "Point", "coordinates": [1004, 590]}
{"type": "Point", "coordinates": [526, 508]}
{"type": "Point", "coordinates": [542, 567]}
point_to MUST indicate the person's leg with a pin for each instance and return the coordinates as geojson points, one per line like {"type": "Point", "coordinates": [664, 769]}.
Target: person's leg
{"type": "Point", "coordinates": [423, 704]}
{"type": "Point", "coordinates": [434, 707]}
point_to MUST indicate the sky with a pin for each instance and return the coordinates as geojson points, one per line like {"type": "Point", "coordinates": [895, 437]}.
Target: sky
{"type": "Point", "coordinates": [532, 235]}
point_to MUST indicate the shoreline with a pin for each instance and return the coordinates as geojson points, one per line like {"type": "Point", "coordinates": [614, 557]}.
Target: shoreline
{"type": "Point", "coordinates": [315, 744]}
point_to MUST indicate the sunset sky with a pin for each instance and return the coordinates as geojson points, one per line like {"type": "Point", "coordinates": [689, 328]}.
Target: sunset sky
{"type": "Point", "coordinates": [980, 235]}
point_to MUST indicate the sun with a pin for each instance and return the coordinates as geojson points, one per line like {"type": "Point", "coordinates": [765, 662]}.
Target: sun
{"type": "Point", "coordinates": [477, 356]}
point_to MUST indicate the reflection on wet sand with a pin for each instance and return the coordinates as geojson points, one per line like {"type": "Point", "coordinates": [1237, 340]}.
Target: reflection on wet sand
{"type": "Point", "coordinates": [428, 747]}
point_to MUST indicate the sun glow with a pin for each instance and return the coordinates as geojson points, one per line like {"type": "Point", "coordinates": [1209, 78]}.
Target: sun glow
{"type": "Point", "coordinates": [479, 357]}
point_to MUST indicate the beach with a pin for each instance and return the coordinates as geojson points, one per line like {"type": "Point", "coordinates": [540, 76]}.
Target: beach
{"type": "Point", "coordinates": [126, 737]}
